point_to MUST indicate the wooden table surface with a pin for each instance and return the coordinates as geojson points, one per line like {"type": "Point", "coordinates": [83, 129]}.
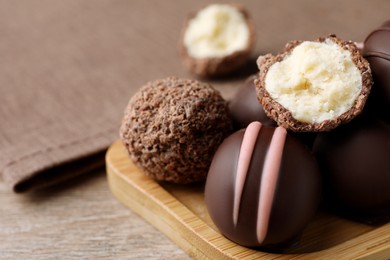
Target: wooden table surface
{"type": "Point", "coordinates": [79, 219]}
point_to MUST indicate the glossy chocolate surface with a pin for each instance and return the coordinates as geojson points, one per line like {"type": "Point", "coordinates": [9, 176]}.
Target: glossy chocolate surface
{"type": "Point", "coordinates": [246, 108]}
{"type": "Point", "coordinates": [239, 213]}
{"type": "Point", "coordinates": [377, 51]}
{"type": "Point", "coordinates": [355, 163]}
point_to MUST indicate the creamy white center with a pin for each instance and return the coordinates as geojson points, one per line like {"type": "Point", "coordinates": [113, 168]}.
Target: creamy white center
{"type": "Point", "coordinates": [217, 30]}
{"type": "Point", "coordinates": [316, 82]}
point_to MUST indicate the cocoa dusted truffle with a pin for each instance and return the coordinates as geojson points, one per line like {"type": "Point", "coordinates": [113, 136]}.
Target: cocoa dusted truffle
{"type": "Point", "coordinates": [246, 108]}
{"type": "Point", "coordinates": [263, 187]}
{"type": "Point", "coordinates": [355, 163]}
{"type": "Point", "coordinates": [172, 127]}
{"type": "Point", "coordinates": [314, 86]}
{"type": "Point", "coordinates": [217, 40]}
{"type": "Point", "coordinates": [377, 51]}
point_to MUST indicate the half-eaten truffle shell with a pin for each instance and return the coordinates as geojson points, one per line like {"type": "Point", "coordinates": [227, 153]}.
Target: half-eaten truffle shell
{"type": "Point", "coordinates": [172, 127]}
{"type": "Point", "coordinates": [314, 86]}
{"type": "Point", "coordinates": [217, 39]}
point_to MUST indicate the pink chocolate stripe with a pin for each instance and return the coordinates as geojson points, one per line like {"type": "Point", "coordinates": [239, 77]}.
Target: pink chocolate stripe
{"type": "Point", "coordinates": [269, 179]}
{"type": "Point", "coordinates": [244, 159]}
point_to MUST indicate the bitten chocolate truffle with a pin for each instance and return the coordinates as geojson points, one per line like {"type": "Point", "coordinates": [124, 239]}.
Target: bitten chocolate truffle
{"type": "Point", "coordinates": [355, 163]}
{"type": "Point", "coordinates": [314, 86]}
{"type": "Point", "coordinates": [246, 108]}
{"type": "Point", "coordinates": [377, 51]}
{"type": "Point", "coordinates": [217, 39]}
{"type": "Point", "coordinates": [172, 127]}
{"type": "Point", "coordinates": [263, 187]}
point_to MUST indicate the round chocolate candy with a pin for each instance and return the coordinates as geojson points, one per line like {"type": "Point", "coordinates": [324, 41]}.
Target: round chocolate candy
{"type": "Point", "coordinates": [246, 108]}
{"type": "Point", "coordinates": [354, 160]}
{"type": "Point", "coordinates": [263, 187]}
{"type": "Point", "coordinates": [377, 51]}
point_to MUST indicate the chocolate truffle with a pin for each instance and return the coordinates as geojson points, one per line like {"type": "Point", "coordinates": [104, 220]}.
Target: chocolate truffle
{"type": "Point", "coordinates": [263, 187]}
{"type": "Point", "coordinates": [246, 108]}
{"type": "Point", "coordinates": [354, 160]}
{"type": "Point", "coordinates": [377, 51]}
{"type": "Point", "coordinates": [172, 127]}
{"type": "Point", "coordinates": [217, 40]}
{"type": "Point", "coordinates": [314, 86]}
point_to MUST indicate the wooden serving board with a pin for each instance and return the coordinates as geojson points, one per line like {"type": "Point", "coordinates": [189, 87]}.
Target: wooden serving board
{"type": "Point", "coordinates": [180, 213]}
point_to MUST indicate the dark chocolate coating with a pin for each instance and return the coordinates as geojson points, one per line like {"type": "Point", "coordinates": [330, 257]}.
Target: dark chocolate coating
{"type": "Point", "coordinates": [355, 163]}
{"type": "Point", "coordinates": [245, 108]}
{"type": "Point", "coordinates": [377, 51]}
{"type": "Point", "coordinates": [386, 24]}
{"type": "Point", "coordinates": [307, 138]}
{"type": "Point", "coordinates": [296, 197]}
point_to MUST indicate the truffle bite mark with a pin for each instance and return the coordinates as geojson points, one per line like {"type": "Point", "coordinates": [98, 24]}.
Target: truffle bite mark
{"type": "Point", "coordinates": [215, 31]}
{"type": "Point", "coordinates": [314, 85]}
{"type": "Point", "coordinates": [217, 39]}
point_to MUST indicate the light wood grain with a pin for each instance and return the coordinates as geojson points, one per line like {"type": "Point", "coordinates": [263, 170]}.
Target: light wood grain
{"type": "Point", "coordinates": [79, 219]}
{"type": "Point", "coordinates": [180, 213]}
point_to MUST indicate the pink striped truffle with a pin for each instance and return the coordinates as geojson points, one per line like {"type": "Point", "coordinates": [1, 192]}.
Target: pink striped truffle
{"type": "Point", "coordinates": [263, 187]}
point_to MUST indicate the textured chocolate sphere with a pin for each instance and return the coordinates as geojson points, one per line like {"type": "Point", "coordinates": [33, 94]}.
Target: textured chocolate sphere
{"type": "Point", "coordinates": [172, 127]}
{"type": "Point", "coordinates": [263, 187]}
{"type": "Point", "coordinates": [246, 108]}
{"type": "Point", "coordinates": [355, 162]}
{"type": "Point", "coordinates": [377, 51]}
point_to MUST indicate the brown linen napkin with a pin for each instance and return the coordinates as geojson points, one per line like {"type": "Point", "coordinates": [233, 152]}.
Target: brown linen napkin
{"type": "Point", "coordinates": [68, 68]}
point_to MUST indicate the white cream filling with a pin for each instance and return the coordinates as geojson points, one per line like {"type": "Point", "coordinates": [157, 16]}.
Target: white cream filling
{"type": "Point", "coordinates": [217, 30]}
{"type": "Point", "coordinates": [316, 82]}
